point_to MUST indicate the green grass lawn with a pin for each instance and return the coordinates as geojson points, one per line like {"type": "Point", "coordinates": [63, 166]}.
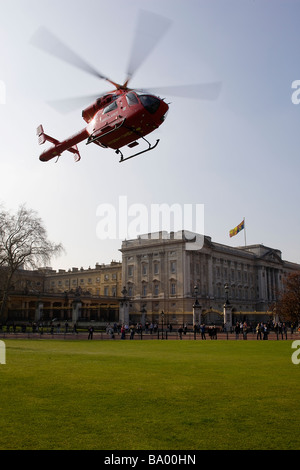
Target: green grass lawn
{"type": "Point", "coordinates": [149, 395]}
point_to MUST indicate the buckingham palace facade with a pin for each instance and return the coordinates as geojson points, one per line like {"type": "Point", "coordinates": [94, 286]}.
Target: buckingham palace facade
{"type": "Point", "coordinates": [161, 270]}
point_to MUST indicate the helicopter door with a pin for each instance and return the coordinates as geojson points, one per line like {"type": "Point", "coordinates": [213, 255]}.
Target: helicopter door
{"type": "Point", "coordinates": [110, 116]}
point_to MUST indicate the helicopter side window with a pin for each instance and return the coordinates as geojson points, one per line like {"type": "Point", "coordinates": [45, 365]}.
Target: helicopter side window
{"type": "Point", "coordinates": [110, 107]}
{"type": "Point", "coordinates": [131, 99]}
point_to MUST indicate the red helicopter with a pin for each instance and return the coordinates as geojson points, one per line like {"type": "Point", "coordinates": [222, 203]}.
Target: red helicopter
{"type": "Point", "coordinates": [123, 116]}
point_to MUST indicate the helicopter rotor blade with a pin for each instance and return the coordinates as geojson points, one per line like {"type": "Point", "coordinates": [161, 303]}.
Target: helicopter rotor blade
{"type": "Point", "coordinates": [48, 42]}
{"type": "Point", "coordinates": [150, 29]}
{"type": "Point", "coordinates": [68, 105]}
{"type": "Point", "coordinates": [201, 91]}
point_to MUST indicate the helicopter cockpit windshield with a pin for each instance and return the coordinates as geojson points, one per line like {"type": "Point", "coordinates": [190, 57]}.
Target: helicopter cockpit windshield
{"type": "Point", "coordinates": [132, 98]}
{"type": "Point", "coordinates": [151, 103]}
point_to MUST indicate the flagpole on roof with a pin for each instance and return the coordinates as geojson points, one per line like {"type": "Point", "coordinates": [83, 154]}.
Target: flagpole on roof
{"type": "Point", "coordinates": [245, 232]}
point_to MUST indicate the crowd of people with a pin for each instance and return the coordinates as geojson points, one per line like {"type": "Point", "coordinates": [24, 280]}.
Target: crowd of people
{"type": "Point", "coordinates": [241, 329]}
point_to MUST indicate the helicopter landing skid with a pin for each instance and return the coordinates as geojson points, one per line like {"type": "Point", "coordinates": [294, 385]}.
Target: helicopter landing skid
{"type": "Point", "coordinates": [150, 147]}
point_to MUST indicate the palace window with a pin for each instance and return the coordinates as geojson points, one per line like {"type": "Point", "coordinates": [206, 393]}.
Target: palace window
{"type": "Point", "coordinates": [130, 271]}
{"type": "Point", "coordinates": [144, 269]}
{"type": "Point", "coordinates": [173, 267]}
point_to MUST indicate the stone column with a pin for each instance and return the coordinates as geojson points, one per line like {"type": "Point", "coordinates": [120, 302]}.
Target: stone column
{"type": "Point", "coordinates": [124, 308]}
{"type": "Point", "coordinates": [196, 311]}
{"type": "Point", "coordinates": [39, 311]}
{"type": "Point", "coordinates": [143, 315]}
{"type": "Point", "coordinates": [210, 285]}
{"type": "Point", "coordinates": [76, 309]}
{"type": "Point", "coordinates": [227, 310]}
{"type": "Point", "coordinates": [124, 312]}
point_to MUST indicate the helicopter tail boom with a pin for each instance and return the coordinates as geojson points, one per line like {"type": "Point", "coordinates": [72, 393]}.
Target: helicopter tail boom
{"type": "Point", "coordinates": [58, 147]}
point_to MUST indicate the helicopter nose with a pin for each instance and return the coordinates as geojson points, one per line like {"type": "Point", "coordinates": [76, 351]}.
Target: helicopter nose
{"type": "Point", "coordinates": [164, 117]}
{"type": "Point", "coordinates": [165, 110]}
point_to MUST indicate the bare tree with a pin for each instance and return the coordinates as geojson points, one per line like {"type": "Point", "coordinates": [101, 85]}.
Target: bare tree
{"type": "Point", "coordinates": [23, 244]}
{"type": "Point", "coordinates": [288, 304]}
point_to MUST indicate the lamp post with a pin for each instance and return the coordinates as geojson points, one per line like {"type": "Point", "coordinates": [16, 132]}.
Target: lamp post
{"type": "Point", "coordinates": [124, 293]}
{"type": "Point", "coordinates": [226, 288]}
{"type": "Point", "coordinates": [196, 290]}
{"type": "Point", "coordinates": [162, 324]}
{"type": "Point", "coordinates": [196, 307]}
{"type": "Point", "coordinates": [143, 315]}
{"type": "Point", "coordinates": [227, 310]}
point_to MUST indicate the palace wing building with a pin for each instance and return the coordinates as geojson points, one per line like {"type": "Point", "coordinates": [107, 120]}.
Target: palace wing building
{"type": "Point", "coordinates": [160, 272]}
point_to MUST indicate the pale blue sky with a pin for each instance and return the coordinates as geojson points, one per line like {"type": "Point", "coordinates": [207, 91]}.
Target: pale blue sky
{"type": "Point", "coordinates": [239, 155]}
